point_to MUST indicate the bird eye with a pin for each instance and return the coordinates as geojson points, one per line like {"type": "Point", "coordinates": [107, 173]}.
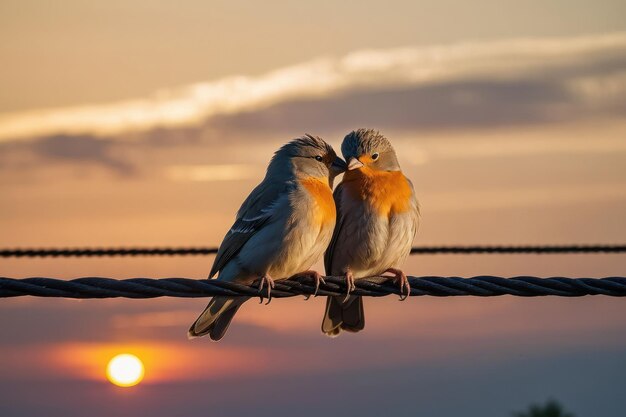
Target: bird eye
{"type": "Point", "coordinates": [375, 156]}
{"type": "Point", "coordinates": [319, 158]}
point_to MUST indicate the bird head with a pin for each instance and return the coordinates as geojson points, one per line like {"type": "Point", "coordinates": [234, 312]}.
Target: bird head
{"type": "Point", "coordinates": [308, 156]}
{"type": "Point", "coordinates": [367, 148]}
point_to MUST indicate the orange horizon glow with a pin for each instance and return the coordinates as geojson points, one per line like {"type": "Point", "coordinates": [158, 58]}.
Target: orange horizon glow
{"type": "Point", "coordinates": [166, 362]}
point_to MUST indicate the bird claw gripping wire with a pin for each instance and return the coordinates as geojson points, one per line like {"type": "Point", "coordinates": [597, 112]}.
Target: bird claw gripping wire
{"type": "Point", "coordinates": [266, 279]}
{"type": "Point", "coordinates": [401, 279]}
{"type": "Point", "coordinates": [350, 286]}
{"type": "Point", "coordinates": [319, 279]}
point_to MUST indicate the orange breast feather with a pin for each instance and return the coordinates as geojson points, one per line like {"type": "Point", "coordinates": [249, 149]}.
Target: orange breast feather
{"type": "Point", "coordinates": [388, 192]}
{"type": "Point", "coordinates": [323, 197]}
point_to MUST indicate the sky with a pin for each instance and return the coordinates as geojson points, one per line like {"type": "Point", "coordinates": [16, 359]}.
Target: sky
{"type": "Point", "coordinates": [148, 123]}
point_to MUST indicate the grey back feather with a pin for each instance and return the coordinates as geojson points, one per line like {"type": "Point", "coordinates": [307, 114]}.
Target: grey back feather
{"type": "Point", "coordinates": [255, 212]}
{"type": "Point", "coordinates": [258, 208]}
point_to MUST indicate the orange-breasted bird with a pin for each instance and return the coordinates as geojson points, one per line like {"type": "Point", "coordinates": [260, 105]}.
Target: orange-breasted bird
{"type": "Point", "coordinates": [377, 219]}
{"type": "Point", "coordinates": [281, 229]}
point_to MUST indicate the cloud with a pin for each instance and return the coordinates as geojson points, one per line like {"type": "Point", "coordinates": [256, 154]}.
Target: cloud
{"type": "Point", "coordinates": [211, 173]}
{"type": "Point", "coordinates": [462, 87]}
{"type": "Point", "coordinates": [528, 145]}
{"type": "Point", "coordinates": [80, 149]}
{"type": "Point", "coordinates": [538, 196]}
{"type": "Point", "coordinates": [169, 318]}
{"type": "Point", "coordinates": [467, 104]}
{"type": "Point", "coordinates": [512, 79]}
{"type": "Point", "coordinates": [76, 149]}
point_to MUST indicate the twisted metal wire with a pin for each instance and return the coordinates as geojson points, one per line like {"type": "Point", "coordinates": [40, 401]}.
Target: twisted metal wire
{"type": "Point", "coordinates": [481, 286]}
{"type": "Point", "coordinates": [186, 251]}
{"type": "Point", "coordinates": [93, 252]}
{"type": "Point", "coordinates": [538, 249]}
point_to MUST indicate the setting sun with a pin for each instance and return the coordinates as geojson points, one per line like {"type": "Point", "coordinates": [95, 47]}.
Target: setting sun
{"type": "Point", "coordinates": [125, 370]}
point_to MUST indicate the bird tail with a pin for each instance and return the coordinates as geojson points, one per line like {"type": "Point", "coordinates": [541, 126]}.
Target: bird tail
{"type": "Point", "coordinates": [343, 314]}
{"type": "Point", "coordinates": [216, 317]}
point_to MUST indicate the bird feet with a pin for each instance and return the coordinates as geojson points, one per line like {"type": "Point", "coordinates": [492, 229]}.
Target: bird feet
{"type": "Point", "coordinates": [350, 286]}
{"type": "Point", "coordinates": [266, 280]}
{"type": "Point", "coordinates": [319, 279]}
{"type": "Point", "coordinates": [401, 280]}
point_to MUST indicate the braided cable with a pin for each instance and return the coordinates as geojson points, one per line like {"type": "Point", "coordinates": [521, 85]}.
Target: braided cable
{"type": "Point", "coordinates": [481, 286]}
{"type": "Point", "coordinates": [195, 251]}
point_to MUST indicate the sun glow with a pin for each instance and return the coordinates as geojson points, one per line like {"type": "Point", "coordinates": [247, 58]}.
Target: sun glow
{"type": "Point", "coordinates": [125, 370]}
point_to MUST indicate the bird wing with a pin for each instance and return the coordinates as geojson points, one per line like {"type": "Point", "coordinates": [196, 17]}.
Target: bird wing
{"type": "Point", "coordinates": [330, 251]}
{"type": "Point", "coordinates": [255, 213]}
{"type": "Point", "coordinates": [415, 207]}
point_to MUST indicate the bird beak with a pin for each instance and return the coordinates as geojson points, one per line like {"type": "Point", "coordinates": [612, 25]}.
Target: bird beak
{"type": "Point", "coordinates": [338, 166]}
{"type": "Point", "coordinates": [354, 163]}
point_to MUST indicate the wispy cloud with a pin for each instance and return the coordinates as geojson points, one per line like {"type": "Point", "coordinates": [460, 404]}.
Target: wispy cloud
{"type": "Point", "coordinates": [474, 146]}
{"type": "Point", "coordinates": [538, 196]}
{"type": "Point", "coordinates": [210, 173]}
{"type": "Point", "coordinates": [404, 68]}
{"type": "Point", "coordinates": [170, 318]}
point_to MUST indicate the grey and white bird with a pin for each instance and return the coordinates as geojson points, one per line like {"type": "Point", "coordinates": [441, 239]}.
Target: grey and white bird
{"type": "Point", "coordinates": [377, 219]}
{"type": "Point", "coordinates": [281, 229]}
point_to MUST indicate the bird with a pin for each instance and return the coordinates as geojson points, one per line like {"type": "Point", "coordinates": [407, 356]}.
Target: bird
{"type": "Point", "coordinates": [281, 229]}
{"type": "Point", "coordinates": [377, 219]}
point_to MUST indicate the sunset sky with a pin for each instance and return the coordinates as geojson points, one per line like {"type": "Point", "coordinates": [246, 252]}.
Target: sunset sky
{"type": "Point", "coordinates": [148, 123]}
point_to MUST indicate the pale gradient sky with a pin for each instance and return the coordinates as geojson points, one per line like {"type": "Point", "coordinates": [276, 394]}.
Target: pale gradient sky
{"type": "Point", "coordinates": [101, 51]}
{"type": "Point", "coordinates": [147, 123]}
